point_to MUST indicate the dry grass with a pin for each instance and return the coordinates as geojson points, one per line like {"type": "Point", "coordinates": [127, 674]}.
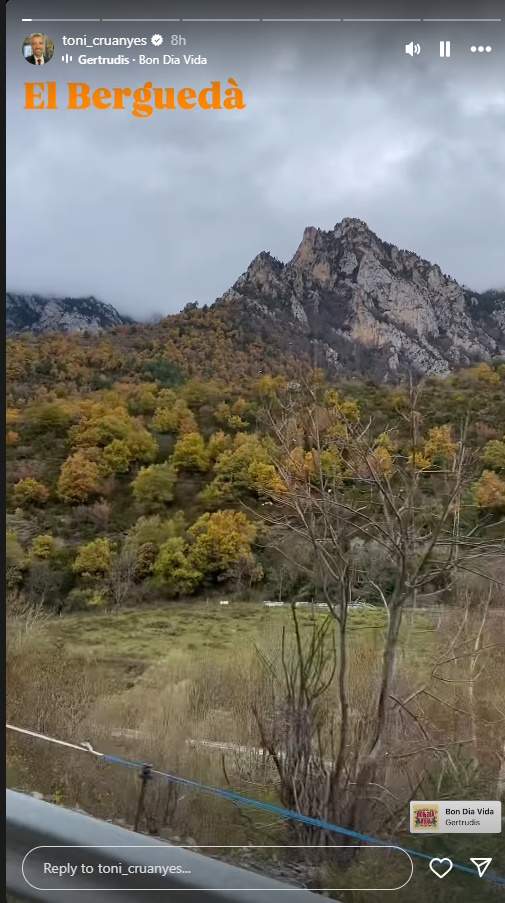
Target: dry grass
{"type": "Point", "coordinates": [186, 695]}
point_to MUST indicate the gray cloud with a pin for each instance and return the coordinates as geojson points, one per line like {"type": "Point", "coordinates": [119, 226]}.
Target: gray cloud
{"type": "Point", "coordinates": [149, 214]}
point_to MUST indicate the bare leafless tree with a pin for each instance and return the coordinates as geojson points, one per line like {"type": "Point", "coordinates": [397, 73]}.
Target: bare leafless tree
{"type": "Point", "coordinates": [347, 490]}
{"type": "Point", "coordinates": [122, 575]}
{"type": "Point", "coordinates": [296, 729]}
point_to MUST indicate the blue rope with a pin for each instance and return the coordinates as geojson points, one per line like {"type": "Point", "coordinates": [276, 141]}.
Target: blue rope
{"type": "Point", "coordinates": [118, 760]}
{"type": "Point", "coordinates": [289, 814]}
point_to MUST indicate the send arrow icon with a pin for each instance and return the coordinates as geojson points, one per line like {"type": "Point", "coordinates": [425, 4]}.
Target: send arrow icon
{"type": "Point", "coordinates": [482, 865]}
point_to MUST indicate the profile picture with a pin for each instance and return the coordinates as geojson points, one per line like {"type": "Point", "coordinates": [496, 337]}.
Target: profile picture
{"type": "Point", "coordinates": [38, 49]}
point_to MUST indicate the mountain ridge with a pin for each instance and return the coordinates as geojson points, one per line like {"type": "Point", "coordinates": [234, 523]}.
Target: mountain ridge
{"type": "Point", "coordinates": [37, 313]}
{"type": "Point", "coordinates": [347, 302]}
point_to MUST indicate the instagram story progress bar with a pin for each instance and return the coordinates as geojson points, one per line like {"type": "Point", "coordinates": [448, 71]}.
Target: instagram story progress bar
{"type": "Point", "coordinates": [304, 20]}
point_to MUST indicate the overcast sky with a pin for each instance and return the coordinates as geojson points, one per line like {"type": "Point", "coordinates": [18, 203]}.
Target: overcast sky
{"type": "Point", "coordinates": [149, 214]}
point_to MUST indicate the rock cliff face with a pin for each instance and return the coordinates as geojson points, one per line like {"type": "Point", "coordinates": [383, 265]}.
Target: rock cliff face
{"type": "Point", "coordinates": [36, 313]}
{"type": "Point", "coordinates": [361, 305]}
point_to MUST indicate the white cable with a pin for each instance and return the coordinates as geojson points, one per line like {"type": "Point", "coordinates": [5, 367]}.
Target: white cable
{"type": "Point", "coordinates": [83, 747]}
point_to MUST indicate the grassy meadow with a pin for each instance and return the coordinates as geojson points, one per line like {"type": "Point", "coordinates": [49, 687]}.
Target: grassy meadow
{"type": "Point", "coordinates": [154, 685]}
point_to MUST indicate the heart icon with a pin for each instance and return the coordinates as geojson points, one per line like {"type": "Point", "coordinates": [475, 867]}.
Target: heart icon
{"type": "Point", "coordinates": [440, 867]}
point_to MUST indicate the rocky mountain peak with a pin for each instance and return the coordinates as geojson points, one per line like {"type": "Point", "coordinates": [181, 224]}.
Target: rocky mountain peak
{"type": "Point", "coordinates": [358, 302]}
{"type": "Point", "coordinates": [262, 277]}
{"type": "Point", "coordinates": [353, 229]}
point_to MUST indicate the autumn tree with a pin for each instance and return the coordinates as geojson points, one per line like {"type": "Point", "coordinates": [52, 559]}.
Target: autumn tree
{"type": "Point", "coordinates": [94, 558]}
{"type": "Point", "coordinates": [190, 453]}
{"type": "Point", "coordinates": [100, 426]}
{"type": "Point", "coordinates": [12, 423]}
{"type": "Point", "coordinates": [153, 487]}
{"type": "Point", "coordinates": [164, 420]}
{"type": "Point", "coordinates": [270, 388]}
{"type": "Point", "coordinates": [494, 455]}
{"type": "Point", "coordinates": [197, 393]}
{"type": "Point", "coordinates": [146, 537]}
{"type": "Point", "coordinates": [218, 443]}
{"type": "Point", "coordinates": [43, 546]}
{"type": "Point", "coordinates": [243, 467]}
{"type": "Point", "coordinates": [175, 417]}
{"type": "Point", "coordinates": [489, 492]}
{"type": "Point", "coordinates": [117, 457]}
{"type": "Point", "coordinates": [166, 398]}
{"type": "Point", "coordinates": [217, 545]}
{"type": "Point", "coordinates": [142, 398]}
{"type": "Point", "coordinates": [141, 445]}
{"type": "Point", "coordinates": [48, 417]}
{"type": "Point", "coordinates": [232, 415]}
{"type": "Point", "coordinates": [220, 540]}
{"type": "Point", "coordinates": [30, 492]}
{"type": "Point", "coordinates": [186, 420]}
{"type": "Point", "coordinates": [12, 417]}
{"type": "Point", "coordinates": [79, 478]}
{"type": "Point", "coordinates": [174, 569]}
{"type": "Point", "coordinates": [484, 373]}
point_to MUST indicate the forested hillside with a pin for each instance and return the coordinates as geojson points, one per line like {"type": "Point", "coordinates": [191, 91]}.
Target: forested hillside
{"type": "Point", "coordinates": [157, 462]}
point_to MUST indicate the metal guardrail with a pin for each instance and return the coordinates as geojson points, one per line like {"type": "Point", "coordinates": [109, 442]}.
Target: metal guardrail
{"type": "Point", "coordinates": [33, 823]}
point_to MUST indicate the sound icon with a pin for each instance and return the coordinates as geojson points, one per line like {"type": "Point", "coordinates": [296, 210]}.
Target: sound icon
{"type": "Point", "coordinates": [412, 49]}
